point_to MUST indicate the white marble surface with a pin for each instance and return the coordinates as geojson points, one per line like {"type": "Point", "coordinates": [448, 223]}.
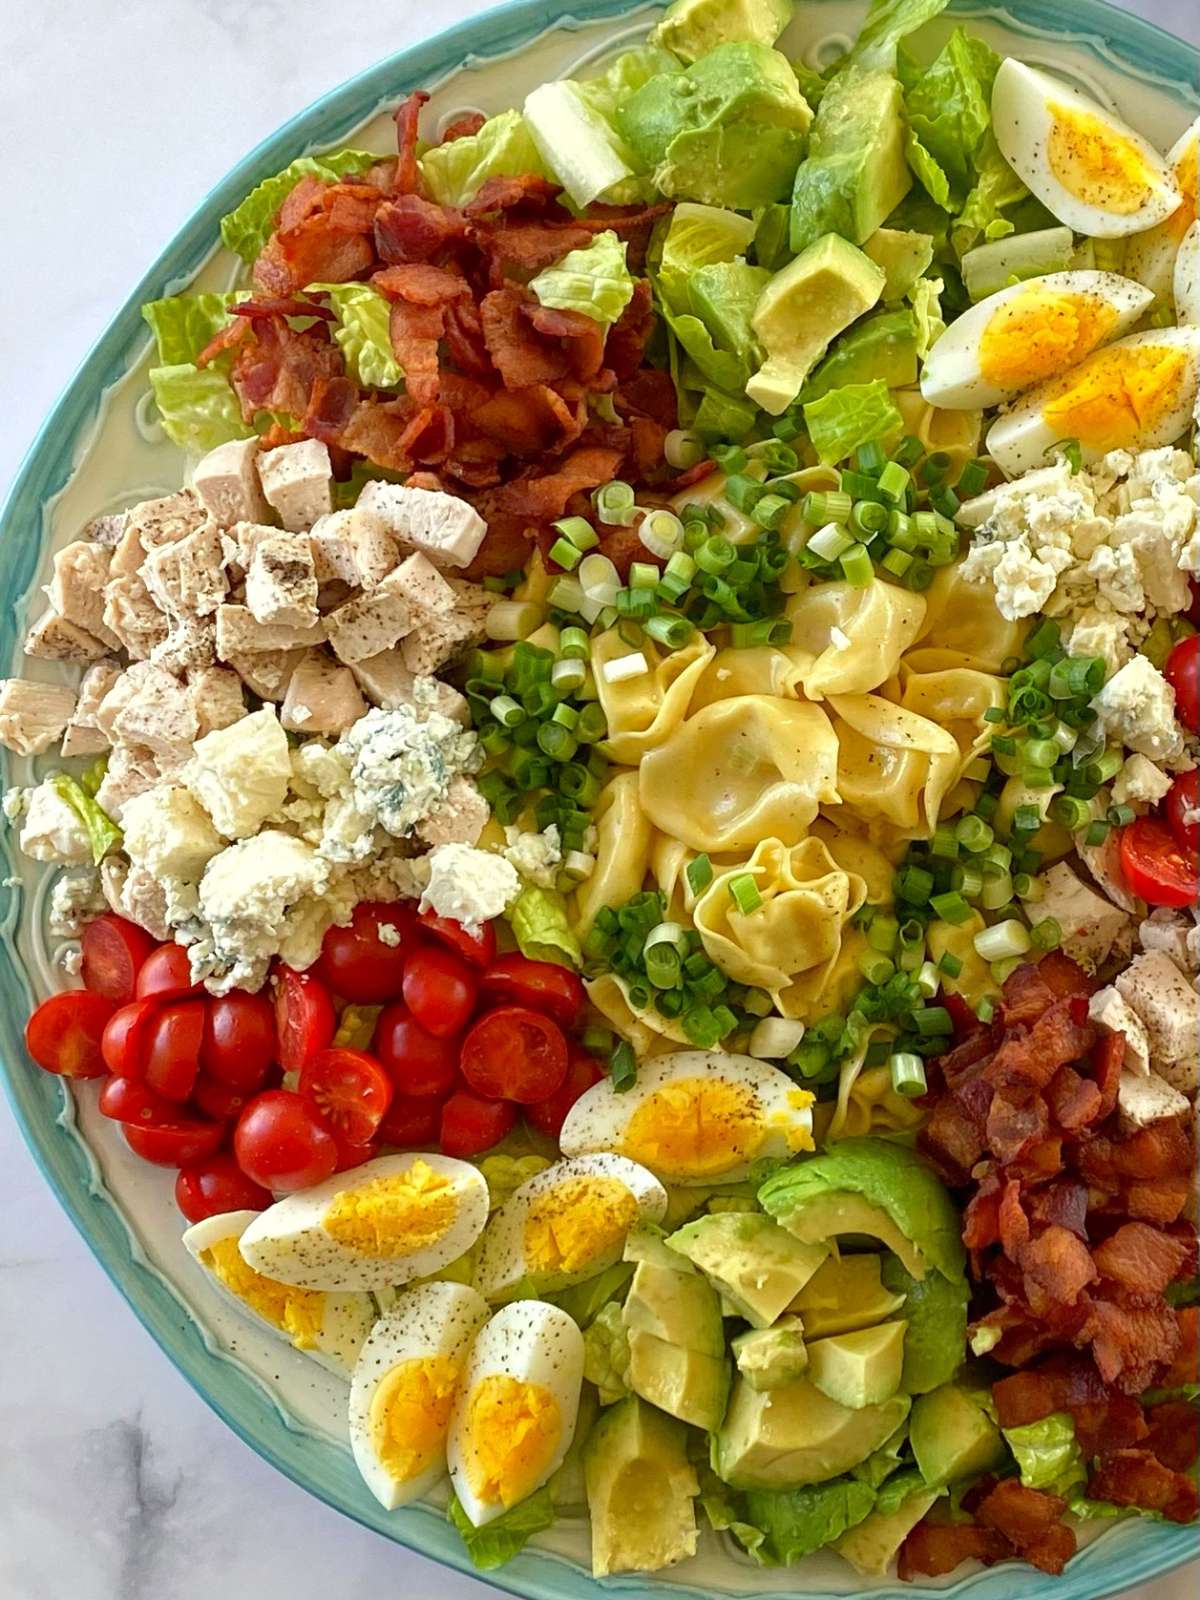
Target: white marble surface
{"type": "Point", "coordinates": [116, 1481]}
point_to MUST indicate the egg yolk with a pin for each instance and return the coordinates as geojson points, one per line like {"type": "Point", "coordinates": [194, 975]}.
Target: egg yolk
{"type": "Point", "coordinates": [1184, 215]}
{"type": "Point", "coordinates": [410, 1413]}
{"type": "Point", "coordinates": [513, 1429]}
{"type": "Point", "coordinates": [1038, 333]}
{"type": "Point", "coordinates": [695, 1128]}
{"type": "Point", "coordinates": [396, 1216]}
{"type": "Point", "coordinates": [297, 1312]}
{"type": "Point", "coordinates": [576, 1222]}
{"type": "Point", "coordinates": [1118, 396]}
{"type": "Point", "coordinates": [1096, 162]}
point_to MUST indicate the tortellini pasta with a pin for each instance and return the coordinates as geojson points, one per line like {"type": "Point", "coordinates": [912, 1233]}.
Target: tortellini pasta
{"type": "Point", "coordinates": [894, 768]}
{"type": "Point", "coordinates": [623, 836]}
{"type": "Point", "coordinates": [848, 640]}
{"type": "Point", "coordinates": [951, 433]}
{"type": "Point", "coordinates": [867, 1103]}
{"type": "Point", "coordinates": [755, 669]}
{"type": "Point", "coordinates": [974, 980]}
{"type": "Point", "coordinates": [739, 771]}
{"type": "Point", "coordinates": [646, 1030]}
{"type": "Point", "coordinates": [815, 994]}
{"type": "Point", "coordinates": [956, 698]}
{"type": "Point", "coordinates": [641, 712]}
{"type": "Point", "coordinates": [858, 855]}
{"type": "Point", "coordinates": [963, 617]}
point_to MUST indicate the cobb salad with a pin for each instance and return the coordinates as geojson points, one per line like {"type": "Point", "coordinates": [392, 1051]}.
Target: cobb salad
{"type": "Point", "coordinates": [630, 831]}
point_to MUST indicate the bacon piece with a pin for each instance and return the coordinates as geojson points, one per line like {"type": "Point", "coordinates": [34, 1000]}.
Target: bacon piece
{"type": "Point", "coordinates": [584, 337]}
{"type": "Point", "coordinates": [410, 228]}
{"type": "Point", "coordinates": [351, 206]}
{"type": "Point", "coordinates": [529, 421]}
{"type": "Point", "coordinates": [1055, 1038]}
{"type": "Point", "coordinates": [647, 442]}
{"type": "Point", "coordinates": [1160, 1200]}
{"type": "Point", "coordinates": [541, 499]}
{"type": "Point", "coordinates": [1117, 1423]}
{"type": "Point", "coordinates": [284, 306]}
{"type": "Point", "coordinates": [1136, 1478]}
{"type": "Point", "coordinates": [377, 430]}
{"type": "Point", "coordinates": [464, 340]}
{"type": "Point", "coordinates": [1058, 1263]}
{"type": "Point", "coordinates": [1064, 1202]}
{"type": "Point", "coordinates": [934, 1548]}
{"type": "Point", "coordinates": [429, 437]}
{"type": "Point", "coordinates": [312, 252]}
{"type": "Point", "coordinates": [1185, 1365]}
{"type": "Point", "coordinates": [1162, 1150]}
{"type": "Point", "coordinates": [229, 337]}
{"type": "Point", "coordinates": [304, 199]}
{"type": "Point", "coordinates": [1131, 1343]}
{"type": "Point", "coordinates": [954, 1137]}
{"type": "Point", "coordinates": [1074, 1101]}
{"type": "Point", "coordinates": [276, 371]}
{"type": "Point", "coordinates": [690, 476]}
{"type": "Point", "coordinates": [1142, 1259]}
{"type": "Point", "coordinates": [1029, 1520]}
{"type": "Point", "coordinates": [981, 1218]}
{"type": "Point", "coordinates": [407, 119]}
{"type": "Point", "coordinates": [463, 127]}
{"type": "Point", "coordinates": [521, 249]}
{"type": "Point", "coordinates": [625, 350]}
{"type": "Point", "coordinates": [649, 392]}
{"type": "Point", "coordinates": [332, 404]}
{"type": "Point", "coordinates": [1016, 1121]}
{"type": "Point", "coordinates": [419, 283]}
{"type": "Point", "coordinates": [1014, 1224]}
{"type": "Point", "coordinates": [520, 355]}
{"type": "Point", "coordinates": [511, 192]}
{"type": "Point", "coordinates": [414, 331]}
{"type": "Point", "coordinates": [1033, 1395]}
{"type": "Point", "coordinates": [1174, 1434]}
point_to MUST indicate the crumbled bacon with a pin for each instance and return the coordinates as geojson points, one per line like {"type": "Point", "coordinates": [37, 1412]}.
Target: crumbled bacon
{"type": "Point", "coordinates": [1029, 1520]}
{"type": "Point", "coordinates": [463, 127]}
{"type": "Point", "coordinates": [1174, 1434]}
{"type": "Point", "coordinates": [408, 116]}
{"type": "Point", "coordinates": [1143, 1259]}
{"type": "Point", "coordinates": [934, 1548]}
{"type": "Point", "coordinates": [1137, 1478]}
{"type": "Point", "coordinates": [410, 228]}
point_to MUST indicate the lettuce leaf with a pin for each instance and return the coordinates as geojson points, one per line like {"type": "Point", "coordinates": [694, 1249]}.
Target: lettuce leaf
{"type": "Point", "coordinates": [720, 368]}
{"type": "Point", "coordinates": [722, 1506]}
{"type": "Point", "coordinates": [198, 408]}
{"type": "Point", "coordinates": [182, 324]}
{"type": "Point", "coordinates": [995, 190]}
{"type": "Point", "coordinates": [949, 107]}
{"type": "Point", "coordinates": [454, 173]}
{"type": "Point", "coordinates": [886, 23]}
{"type": "Point", "coordinates": [724, 416]}
{"type": "Point", "coordinates": [584, 1301]}
{"type": "Point", "coordinates": [102, 832]}
{"type": "Point", "coordinates": [606, 1354]}
{"type": "Point", "coordinates": [362, 334]}
{"type": "Point", "coordinates": [926, 300]}
{"type": "Point", "coordinates": [540, 925]}
{"type": "Point", "coordinates": [845, 418]}
{"type": "Point", "coordinates": [699, 236]}
{"type": "Point", "coordinates": [1048, 1454]}
{"type": "Point", "coordinates": [928, 172]}
{"type": "Point", "coordinates": [593, 281]}
{"type": "Point", "coordinates": [622, 79]}
{"type": "Point", "coordinates": [882, 1463]}
{"type": "Point", "coordinates": [795, 1522]}
{"type": "Point", "coordinates": [580, 146]}
{"type": "Point", "coordinates": [246, 229]}
{"type": "Point", "coordinates": [507, 1535]}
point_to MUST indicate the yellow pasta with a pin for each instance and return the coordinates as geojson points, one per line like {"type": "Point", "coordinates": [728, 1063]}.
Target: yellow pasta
{"type": "Point", "coordinates": [758, 669]}
{"type": "Point", "coordinates": [623, 835]}
{"type": "Point", "coordinates": [963, 617]}
{"type": "Point", "coordinates": [953, 433]}
{"type": "Point", "coordinates": [894, 768]}
{"type": "Point", "coordinates": [646, 1030]}
{"type": "Point", "coordinates": [956, 698]}
{"type": "Point", "coordinates": [958, 939]}
{"type": "Point", "coordinates": [642, 711]}
{"type": "Point", "coordinates": [859, 856]}
{"type": "Point", "coordinates": [815, 994]}
{"type": "Point", "coordinates": [736, 526]}
{"type": "Point", "coordinates": [669, 860]}
{"type": "Point", "coordinates": [867, 1103]}
{"type": "Point", "coordinates": [847, 640]}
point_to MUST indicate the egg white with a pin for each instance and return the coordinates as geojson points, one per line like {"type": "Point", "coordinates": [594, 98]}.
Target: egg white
{"type": "Point", "coordinates": [289, 1240]}
{"type": "Point", "coordinates": [1150, 257]}
{"type": "Point", "coordinates": [428, 1320]}
{"type": "Point", "coordinates": [1187, 279]}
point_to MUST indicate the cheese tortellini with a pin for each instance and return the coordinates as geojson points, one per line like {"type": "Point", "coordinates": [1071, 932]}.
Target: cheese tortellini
{"type": "Point", "coordinates": [755, 669]}
{"type": "Point", "coordinates": [623, 835]}
{"type": "Point", "coordinates": [956, 698]}
{"type": "Point", "coordinates": [894, 768]}
{"type": "Point", "coordinates": [848, 640]}
{"type": "Point", "coordinates": [641, 712]}
{"type": "Point", "coordinates": [951, 433]}
{"type": "Point", "coordinates": [646, 1029]}
{"type": "Point", "coordinates": [962, 617]}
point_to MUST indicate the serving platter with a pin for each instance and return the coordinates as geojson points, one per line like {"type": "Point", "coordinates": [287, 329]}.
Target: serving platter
{"type": "Point", "coordinates": [99, 449]}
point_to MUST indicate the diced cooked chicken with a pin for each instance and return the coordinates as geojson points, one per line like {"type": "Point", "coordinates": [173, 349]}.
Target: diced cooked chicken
{"type": "Point", "coordinates": [268, 672]}
{"type": "Point", "coordinates": [1143, 1100]}
{"type": "Point", "coordinates": [1174, 934]}
{"type": "Point", "coordinates": [152, 523]}
{"type": "Point", "coordinates": [53, 638]}
{"type": "Point", "coordinates": [82, 741]}
{"type": "Point", "coordinates": [281, 583]}
{"type": "Point", "coordinates": [76, 591]}
{"type": "Point", "coordinates": [376, 551]}
{"type": "Point", "coordinates": [216, 697]}
{"type": "Point", "coordinates": [33, 715]}
{"type": "Point", "coordinates": [423, 586]}
{"type": "Point", "coordinates": [474, 601]}
{"type": "Point", "coordinates": [460, 819]}
{"type": "Point", "coordinates": [247, 536]}
{"type": "Point", "coordinates": [434, 641]}
{"type": "Point", "coordinates": [322, 698]}
{"type": "Point", "coordinates": [111, 703]}
{"type": "Point", "coordinates": [297, 480]}
{"type": "Point", "coordinates": [1109, 1007]}
{"type": "Point", "coordinates": [51, 829]}
{"type": "Point", "coordinates": [158, 715]}
{"type": "Point", "coordinates": [190, 646]}
{"type": "Point", "coordinates": [130, 612]}
{"type": "Point", "coordinates": [448, 530]}
{"type": "Point", "coordinates": [132, 770]}
{"type": "Point", "coordinates": [333, 549]}
{"type": "Point", "coordinates": [1153, 986]}
{"type": "Point", "coordinates": [187, 578]}
{"type": "Point", "coordinates": [1090, 924]}
{"type": "Point", "coordinates": [133, 892]}
{"type": "Point", "coordinates": [388, 683]}
{"type": "Point", "coordinates": [1103, 861]}
{"type": "Point", "coordinates": [83, 737]}
{"type": "Point", "coordinates": [240, 633]}
{"type": "Point", "coordinates": [226, 482]}
{"type": "Point", "coordinates": [371, 623]}
{"type": "Point", "coordinates": [106, 530]}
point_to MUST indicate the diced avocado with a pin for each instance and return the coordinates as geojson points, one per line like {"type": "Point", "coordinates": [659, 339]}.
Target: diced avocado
{"type": "Point", "coordinates": [837, 1214]}
{"type": "Point", "coordinates": [952, 1437]}
{"type": "Point", "coordinates": [859, 1369]}
{"type": "Point", "coordinates": [769, 1358]}
{"type": "Point", "coordinates": [935, 1345]}
{"type": "Point", "coordinates": [646, 1242]}
{"type": "Point", "coordinates": [690, 28]}
{"type": "Point", "coordinates": [754, 1262]}
{"type": "Point", "coordinates": [785, 1438]}
{"type": "Point", "coordinates": [687, 1384]}
{"type": "Point", "coordinates": [845, 1294]}
{"type": "Point", "coordinates": [871, 1546]}
{"type": "Point", "coordinates": [771, 227]}
{"type": "Point", "coordinates": [903, 257]}
{"type": "Point", "coordinates": [680, 1307]}
{"type": "Point", "coordinates": [883, 346]}
{"type": "Point", "coordinates": [724, 296]}
{"type": "Point", "coordinates": [641, 1490]}
{"type": "Point", "coordinates": [856, 172]}
{"type": "Point", "coordinates": [802, 309]}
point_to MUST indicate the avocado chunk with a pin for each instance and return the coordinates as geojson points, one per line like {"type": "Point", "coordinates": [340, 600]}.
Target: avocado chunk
{"type": "Point", "coordinates": [802, 308]}
{"type": "Point", "coordinates": [687, 1384]}
{"type": "Point", "coordinates": [850, 1216]}
{"type": "Point", "coordinates": [641, 1490]}
{"type": "Point", "coordinates": [691, 28]}
{"type": "Point", "coordinates": [871, 1547]}
{"type": "Point", "coordinates": [903, 256]}
{"type": "Point", "coordinates": [952, 1436]}
{"type": "Point", "coordinates": [883, 346]}
{"type": "Point", "coordinates": [769, 1358]}
{"type": "Point", "coordinates": [859, 1369]}
{"type": "Point", "coordinates": [723, 296]}
{"type": "Point", "coordinates": [757, 1265]}
{"type": "Point", "coordinates": [856, 172]}
{"type": "Point", "coordinates": [785, 1438]}
{"type": "Point", "coordinates": [679, 1307]}
{"type": "Point", "coordinates": [935, 1345]}
{"type": "Point", "coordinates": [647, 1242]}
{"type": "Point", "coordinates": [845, 1294]}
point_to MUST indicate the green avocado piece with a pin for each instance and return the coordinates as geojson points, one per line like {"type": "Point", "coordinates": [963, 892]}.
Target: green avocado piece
{"type": "Point", "coordinates": [796, 1522]}
{"type": "Point", "coordinates": [785, 1438]}
{"type": "Point", "coordinates": [935, 1345]}
{"type": "Point", "coordinates": [802, 308]}
{"type": "Point", "coordinates": [845, 1294]}
{"type": "Point", "coordinates": [837, 1214]}
{"type": "Point", "coordinates": [691, 28]}
{"type": "Point", "coordinates": [883, 346]}
{"type": "Point", "coordinates": [903, 256]}
{"type": "Point", "coordinates": [647, 1242]}
{"type": "Point", "coordinates": [724, 295]}
{"type": "Point", "coordinates": [757, 1265]}
{"type": "Point", "coordinates": [871, 1546]}
{"type": "Point", "coordinates": [688, 1384]}
{"type": "Point", "coordinates": [641, 1490]}
{"type": "Point", "coordinates": [859, 1369]}
{"type": "Point", "coordinates": [679, 1307]}
{"type": "Point", "coordinates": [769, 1358]}
{"type": "Point", "coordinates": [952, 1437]}
{"type": "Point", "coordinates": [856, 172]}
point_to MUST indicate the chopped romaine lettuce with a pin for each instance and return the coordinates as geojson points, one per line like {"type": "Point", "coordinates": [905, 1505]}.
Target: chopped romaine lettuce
{"type": "Point", "coordinates": [796, 1522]}
{"type": "Point", "coordinates": [506, 1173]}
{"type": "Point", "coordinates": [102, 832]}
{"type": "Point", "coordinates": [541, 927]}
{"type": "Point", "coordinates": [723, 1508]}
{"type": "Point", "coordinates": [699, 236]}
{"type": "Point", "coordinates": [845, 418]}
{"type": "Point", "coordinates": [585, 1301]}
{"type": "Point", "coordinates": [949, 108]}
{"type": "Point", "coordinates": [246, 229]}
{"type": "Point", "coordinates": [593, 281]}
{"type": "Point", "coordinates": [928, 172]}
{"type": "Point", "coordinates": [578, 145]}
{"type": "Point", "coordinates": [990, 267]}
{"type": "Point", "coordinates": [454, 173]}
{"type": "Point", "coordinates": [996, 189]}
{"type": "Point", "coordinates": [886, 23]}
{"type": "Point", "coordinates": [624, 77]}
{"type": "Point", "coordinates": [724, 416]}
{"type": "Point", "coordinates": [506, 1535]}
{"type": "Point", "coordinates": [925, 297]}
{"type": "Point", "coordinates": [1048, 1455]}
{"type": "Point", "coordinates": [198, 408]}
{"type": "Point", "coordinates": [606, 1354]}
{"type": "Point", "coordinates": [362, 334]}
{"type": "Point", "coordinates": [183, 324]}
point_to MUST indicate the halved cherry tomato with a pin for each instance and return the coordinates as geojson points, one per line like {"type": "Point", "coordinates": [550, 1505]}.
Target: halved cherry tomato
{"type": "Point", "coordinates": [1155, 866]}
{"type": "Point", "coordinates": [362, 962]}
{"type": "Point", "coordinates": [175, 1144]}
{"type": "Point", "coordinates": [512, 1053]}
{"type": "Point", "coordinates": [350, 1090]}
{"type": "Point", "coordinates": [113, 952]}
{"type": "Point", "coordinates": [305, 1020]}
{"type": "Point", "coordinates": [239, 1039]}
{"type": "Point", "coordinates": [173, 1049]}
{"type": "Point", "coordinates": [479, 949]}
{"type": "Point", "coordinates": [540, 985]}
{"type": "Point", "coordinates": [412, 1122]}
{"type": "Point", "coordinates": [471, 1125]}
{"type": "Point", "coordinates": [220, 1101]}
{"type": "Point", "coordinates": [166, 975]}
{"type": "Point", "coordinates": [419, 1062]}
{"type": "Point", "coordinates": [129, 1100]}
{"type": "Point", "coordinates": [124, 1043]}
{"type": "Point", "coordinates": [209, 1188]}
{"type": "Point", "coordinates": [1182, 672]}
{"type": "Point", "coordinates": [439, 990]}
{"type": "Point", "coordinates": [351, 1153]}
{"type": "Point", "coordinates": [282, 1142]}
{"type": "Point", "coordinates": [1182, 807]}
{"type": "Point", "coordinates": [548, 1115]}
{"type": "Point", "coordinates": [64, 1035]}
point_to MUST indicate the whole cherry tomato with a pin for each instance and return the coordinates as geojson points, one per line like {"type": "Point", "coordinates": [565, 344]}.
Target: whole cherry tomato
{"type": "Point", "coordinates": [419, 1062]}
{"type": "Point", "coordinates": [239, 1039]}
{"type": "Point", "coordinates": [112, 953]}
{"type": "Point", "coordinates": [1182, 807]}
{"type": "Point", "coordinates": [282, 1143]}
{"type": "Point", "coordinates": [65, 1034]}
{"type": "Point", "coordinates": [540, 985]}
{"type": "Point", "coordinates": [471, 1125]}
{"type": "Point", "coordinates": [1182, 672]}
{"type": "Point", "coordinates": [440, 990]}
{"type": "Point", "coordinates": [173, 1049]}
{"type": "Point", "coordinates": [209, 1188]}
{"type": "Point", "coordinates": [124, 1043]}
{"type": "Point", "coordinates": [166, 974]}
{"type": "Point", "coordinates": [478, 949]}
{"type": "Point", "coordinates": [305, 1020]}
{"type": "Point", "coordinates": [175, 1144]}
{"type": "Point", "coordinates": [218, 1100]}
{"type": "Point", "coordinates": [512, 1053]}
{"type": "Point", "coordinates": [1155, 866]}
{"type": "Point", "coordinates": [350, 1090]}
{"type": "Point", "coordinates": [364, 962]}
{"type": "Point", "coordinates": [353, 1154]}
{"type": "Point", "coordinates": [548, 1115]}
{"type": "Point", "coordinates": [412, 1122]}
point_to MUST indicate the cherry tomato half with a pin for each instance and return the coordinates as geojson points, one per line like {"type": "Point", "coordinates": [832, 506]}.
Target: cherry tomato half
{"type": "Point", "coordinates": [220, 1101]}
{"type": "Point", "coordinates": [440, 990]}
{"type": "Point", "coordinates": [239, 1039]}
{"type": "Point", "coordinates": [281, 1142]}
{"type": "Point", "coordinates": [478, 949]}
{"type": "Point", "coordinates": [350, 1090]}
{"type": "Point", "coordinates": [419, 1062]}
{"type": "Point", "coordinates": [129, 1100]}
{"type": "Point", "coordinates": [305, 1021]}
{"type": "Point", "coordinates": [173, 1049]}
{"type": "Point", "coordinates": [1182, 807]}
{"type": "Point", "coordinates": [1155, 867]}
{"type": "Point", "coordinates": [166, 975]}
{"type": "Point", "coordinates": [1182, 672]}
{"type": "Point", "coordinates": [175, 1144]}
{"type": "Point", "coordinates": [113, 952]}
{"type": "Point", "coordinates": [548, 1115]}
{"type": "Point", "coordinates": [209, 1188]}
{"type": "Point", "coordinates": [471, 1125]}
{"type": "Point", "coordinates": [412, 1122]}
{"type": "Point", "coordinates": [514, 1054]}
{"type": "Point", "coordinates": [540, 985]}
{"type": "Point", "coordinates": [124, 1043]}
{"type": "Point", "coordinates": [352, 1153]}
{"type": "Point", "coordinates": [64, 1035]}
{"type": "Point", "coordinates": [364, 962]}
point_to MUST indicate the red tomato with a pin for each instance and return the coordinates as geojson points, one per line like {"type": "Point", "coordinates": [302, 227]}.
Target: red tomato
{"type": "Point", "coordinates": [124, 1043]}
{"type": "Point", "coordinates": [440, 990]}
{"type": "Point", "coordinates": [305, 1020]}
{"type": "Point", "coordinates": [420, 1063]}
{"type": "Point", "coordinates": [540, 985]}
{"type": "Point", "coordinates": [1182, 807]}
{"type": "Point", "coordinates": [514, 1054]}
{"type": "Point", "coordinates": [412, 1122]}
{"type": "Point", "coordinates": [220, 1101]}
{"type": "Point", "coordinates": [479, 949]}
{"type": "Point", "coordinates": [239, 1039]}
{"type": "Point", "coordinates": [173, 1049]}
{"type": "Point", "coordinates": [548, 1115]}
{"type": "Point", "coordinates": [360, 965]}
{"type": "Point", "coordinates": [113, 952]}
{"type": "Point", "coordinates": [166, 974]}
{"type": "Point", "coordinates": [1182, 672]}
{"type": "Point", "coordinates": [64, 1034]}
{"type": "Point", "coordinates": [350, 1090]}
{"type": "Point", "coordinates": [209, 1188]}
{"type": "Point", "coordinates": [281, 1142]}
{"type": "Point", "coordinates": [129, 1100]}
{"type": "Point", "coordinates": [1155, 866]}
{"type": "Point", "coordinates": [471, 1125]}
{"type": "Point", "coordinates": [175, 1144]}
{"type": "Point", "coordinates": [353, 1154]}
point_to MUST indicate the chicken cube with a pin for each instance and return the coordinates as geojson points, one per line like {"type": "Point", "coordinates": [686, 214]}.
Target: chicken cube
{"type": "Point", "coordinates": [53, 638]}
{"type": "Point", "coordinates": [1090, 924]}
{"type": "Point", "coordinates": [1153, 986]}
{"type": "Point", "coordinates": [190, 645]}
{"type": "Point", "coordinates": [240, 633]}
{"type": "Point", "coordinates": [106, 530]}
{"type": "Point", "coordinates": [131, 770]}
{"type": "Point", "coordinates": [322, 698]}
{"type": "Point", "coordinates": [332, 546]}
{"type": "Point", "coordinates": [158, 715]}
{"type": "Point", "coordinates": [376, 551]}
{"type": "Point", "coordinates": [216, 697]}
{"type": "Point", "coordinates": [1108, 1007]}
{"type": "Point", "coordinates": [435, 641]}
{"type": "Point", "coordinates": [153, 523]}
{"type": "Point", "coordinates": [226, 482]}
{"type": "Point", "coordinates": [423, 586]}
{"type": "Point", "coordinates": [33, 715]}
{"type": "Point", "coordinates": [188, 577]}
{"type": "Point", "coordinates": [1168, 930]}
{"type": "Point", "coordinates": [1143, 1100]}
{"type": "Point", "coordinates": [268, 673]}
{"type": "Point", "coordinates": [76, 591]}
{"type": "Point", "coordinates": [51, 829]}
{"type": "Point", "coordinates": [387, 682]}
{"type": "Point", "coordinates": [281, 582]}
{"type": "Point", "coordinates": [474, 601]}
{"type": "Point", "coordinates": [130, 613]}
{"type": "Point", "coordinates": [460, 819]}
{"type": "Point", "coordinates": [247, 536]}
{"type": "Point", "coordinates": [83, 737]}
{"type": "Point", "coordinates": [371, 623]}
{"type": "Point", "coordinates": [1103, 861]}
{"type": "Point", "coordinates": [135, 893]}
{"type": "Point", "coordinates": [297, 481]}
{"type": "Point", "coordinates": [448, 530]}
{"type": "Point", "coordinates": [79, 740]}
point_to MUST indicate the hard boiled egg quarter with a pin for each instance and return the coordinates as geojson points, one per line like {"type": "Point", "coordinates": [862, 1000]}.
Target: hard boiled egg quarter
{"type": "Point", "coordinates": [515, 1412]}
{"type": "Point", "coordinates": [1136, 394]}
{"type": "Point", "coordinates": [1090, 170]}
{"type": "Point", "coordinates": [1028, 333]}
{"type": "Point", "coordinates": [328, 1327]}
{"type": "Point", "coordinates": [402, 1392]}
{"type": "Point", "coordinates": [1187, 278]}
{"type": "Point", "coordinates": [694, 1116]}
{"type": "Point", "coordinates": [1150, 256]}
{"type": "Point", "coordinates": [386, 1222]}
{"type": "Point", "coordinates": [566, 1224]}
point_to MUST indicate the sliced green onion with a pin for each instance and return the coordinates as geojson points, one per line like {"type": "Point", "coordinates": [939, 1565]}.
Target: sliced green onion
{"type": "Point", "coordinates": [715, 555]}
{"type": "Point", "coordinates": [508, 620]}
{"type": "Point", "coordinates": [856, 566]}
{"type": "Point", "coordinates": [744, 492]}
{"type": "Point", "coordinates": [831, 506]}
{"type": "Point", "coordinates": [972, 480]}
{"type": "Point", "coordinates": [914, 884]}
{"type": "Point", "coordinates": [699, 874]}
{"type": "Point", "coordinates": [973, 833]}
{"type": "Point", "coordinates": [557, 742]}
{"type": "Point", "coordinates": [1097, 831]}
{"type": "Point", "coordinates": [1002, 971]}
{"type": "Point", "coordinates": [897, 562]}
{"type": "Point", "coordinates": [599, 578]}
{"type": "Point", "coordinates": [744, 892]}
{"type": "Point", "coordinates": [771, 510]}
{"type": "Point", "coordinates": [767, 630]}
{"type": "Point", "coordinates": [1071, 811]}
{"type": "Point", "coordinates": [950, 907]}
{"type": "Point", "coordinates": [883, 933]}
{"type": "Point", "coordinates": [829, 542]}
{"type": "Point", "coordinates": [907, 1072]}
{"type": "Point", "coordinates": [592, 725]}
{"type": "Point", "coordinates": [579, 531]}
{"type": "Point", "coordinates": [930, 1021]}
{"type": "Point", "coordinates": [893, 482]}
{"type": "Point", "coordinates": [1004, 939]}
{"type": "Point", "coordinates": [950, 964]}
{"type": "Point", "coordinates": [614, 503]}
{"type": "Point", "coordinates": [929, 979]}
{"type": "Point", "coordinates": [997, 892]}
{"type": "Point", "coordinates": [622, 1067]}
{"type": "Point", "coordinates": [683, 449]}
{"type": "Point", "coordinates": [875, 967]}
{"type": "Point", "coordinates": [967, 878]}
{"type": "Point", "coordinates": [1046, 934]}
{"type": "Point", "coordinates": [674, 632]}
{"type": "Point", "coordinates": [662, 533]}
{"type": "Point", "coordinates": [775, 1038]}
{"type": "Point", "coordinates": [944, 843]}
